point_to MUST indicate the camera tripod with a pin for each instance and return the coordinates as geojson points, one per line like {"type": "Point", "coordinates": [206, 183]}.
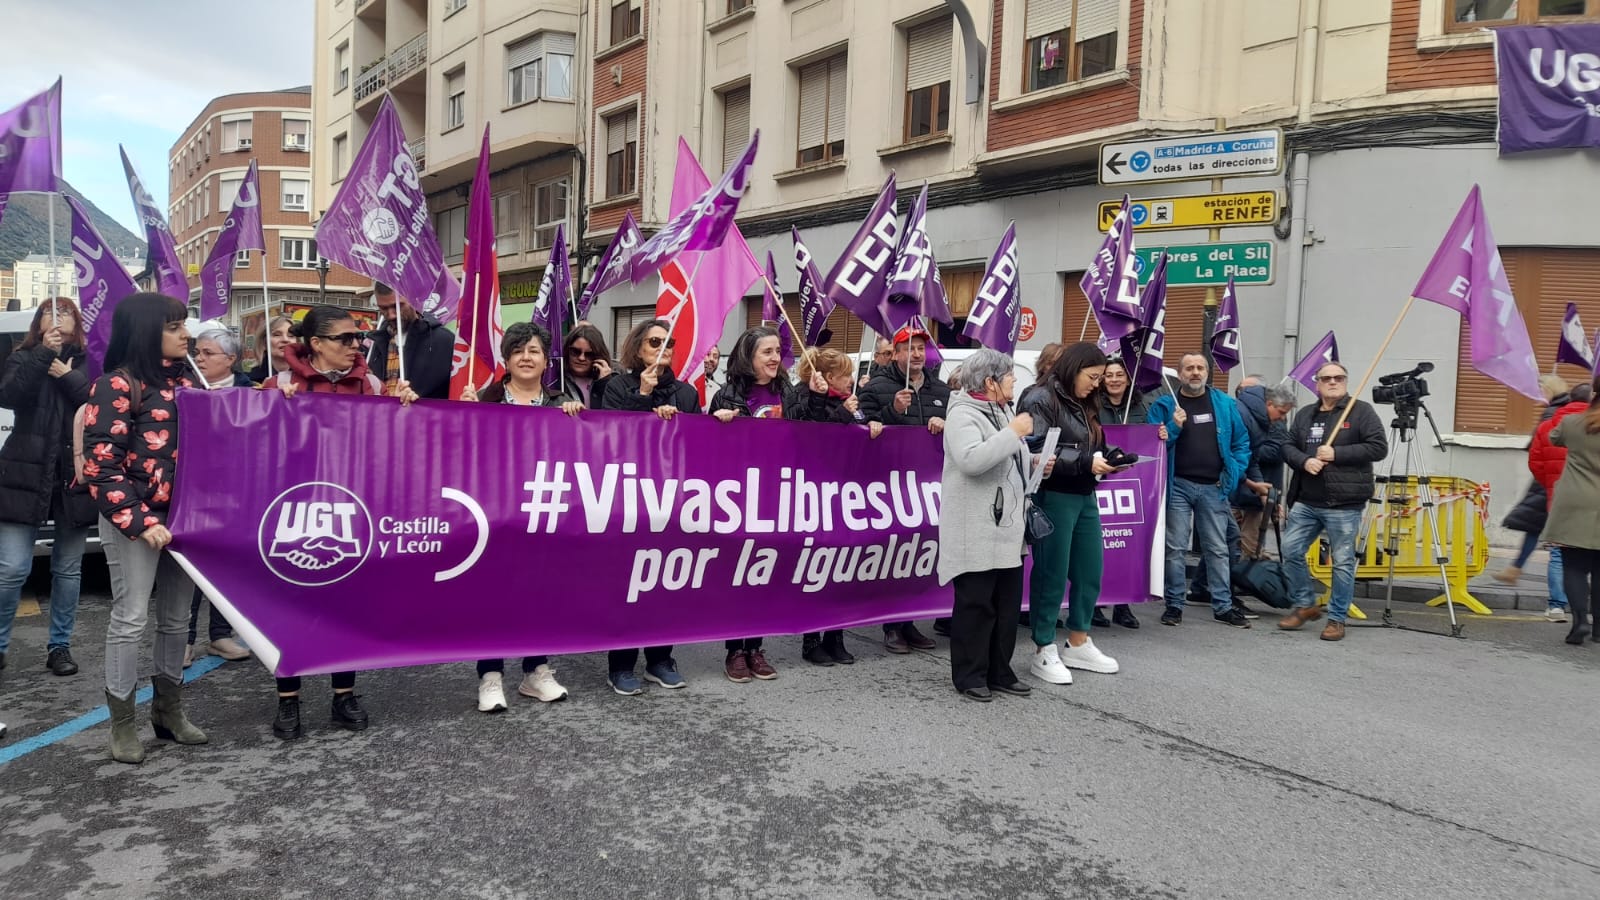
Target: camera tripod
{"type": "Point", "coordinates": [1394, 497]}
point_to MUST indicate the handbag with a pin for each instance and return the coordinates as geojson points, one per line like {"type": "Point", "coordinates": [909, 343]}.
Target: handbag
{"type": "Point", "coordinates": [1036, 524]}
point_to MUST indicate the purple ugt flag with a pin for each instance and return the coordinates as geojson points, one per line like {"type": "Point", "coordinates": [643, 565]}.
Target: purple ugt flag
{"type": "Point", "coordinates": [993, 320]}
{"type": "Point", "coordinates": [815, 306]}
{"type": "Point", "coordinates": [555, 292]}
{"type": "Point", "coordinates": [701, 225]}
{"type": "Point", "coordinates": [772, 311]}
{"type": "Point", "coordinates": [161, 256]}
{"type": "Point", "coordinates": [1305, 371]}
{"type": "Point", "coordinates": [915, 289]}
{"type": "Point", "coordinates": [30, 144]}
{"type": "Point", "coordinates": [1111, 282]}
{"type": "Point", "coordinates": [241, 231]}
{"type": "Point", "coordinates": [613, 267]}
{"type": "Point", "coordinates": [1574, 347]}
{"type": "Point", "coordinates": [1546, 89]}
{"type": "Point", "coordinates": [379, 225]}
{"type": "Point", "coordinates": [102, 284]}
{"type": "Point", "coordinates": [1225, 348]}
{"type": "Point", "coordinates": [1467, 276]}
{"type": "Point", "coordinates": [1143, 348]}
{"type": "Point", "coordinates": [860, 278]}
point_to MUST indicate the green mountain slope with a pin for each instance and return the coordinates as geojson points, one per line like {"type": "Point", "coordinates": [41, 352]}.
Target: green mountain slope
{"type": "Point", "coordinates": [25, 228]}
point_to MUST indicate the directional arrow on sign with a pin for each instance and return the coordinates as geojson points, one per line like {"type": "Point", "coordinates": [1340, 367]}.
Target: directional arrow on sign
{"type": "Point", "coordinates": [1115, 163]}
{"type": "Point", "coordinates": [1108, 214]}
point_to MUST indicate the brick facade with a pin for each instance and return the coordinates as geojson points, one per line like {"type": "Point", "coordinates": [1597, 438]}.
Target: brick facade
{"type": "Point", "coordinates": [1411, 69]}
{"type": "Point", "coordinates": [635, 64]}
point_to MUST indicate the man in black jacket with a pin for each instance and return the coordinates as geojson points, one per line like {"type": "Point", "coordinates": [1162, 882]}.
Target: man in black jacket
{"type": "Point", "coordinates": [1264, 410]}
{"type": "Point", "coordinates": [1332, 482]}
{"type": "Point", "coordinates": [429, 348]}
{"type": "Point", "coordinates": [905, 395]}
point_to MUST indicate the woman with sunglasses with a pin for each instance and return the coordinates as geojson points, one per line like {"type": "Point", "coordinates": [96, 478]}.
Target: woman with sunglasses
{"type": "Point", "coordinates": [327, 360]}
{"type": "Point", "coordinates": [526, 351]}
{"type": "Point", "coordinates": [646, 384]}
{"type": "Point", "coordinates": [588, 365]}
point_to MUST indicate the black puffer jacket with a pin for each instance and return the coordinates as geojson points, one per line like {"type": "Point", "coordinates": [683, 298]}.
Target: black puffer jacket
{"type": "Point", "coordinates": [429, 356]}
{"type": "Point", "coordinates": [1360, 443]}
{"type": "Point", "coordinates": [1266, 445]}
{"type": "Point", "coordinates": [931, 401]}
{"type": "Point", "coordinates": [36, 461]}
{"type": "Point", "coordinates": [622, 392]}
{"type": "Point", "coordinates": [733, 397]}
{"type": "Point", "coordinates": [807, 405]}
{"type": "Point", "coordinates": [1075, 449]}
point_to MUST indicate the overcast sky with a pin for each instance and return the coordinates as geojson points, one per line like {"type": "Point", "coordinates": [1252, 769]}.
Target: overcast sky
{"type": "Point", "coordinates": [138, 71]}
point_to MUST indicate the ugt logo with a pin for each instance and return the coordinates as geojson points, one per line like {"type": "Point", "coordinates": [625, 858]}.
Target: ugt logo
{"type": "Point", "coordinates": [315, 534]}
{"type": "Point", "coordinates": [1118, 499]}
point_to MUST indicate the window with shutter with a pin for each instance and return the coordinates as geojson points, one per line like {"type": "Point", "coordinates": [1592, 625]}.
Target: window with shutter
{"type": "Point", "coordinates": [1069, 40]}
{"type": "Point", "coordinates": [1095, 38]}
{"type": "Point", "coordinates": [455, 99]}
{"type": "Point", "coordinates": [735, 125]}
{"type": "Point", "coordinates": [523, 62]}
{"type": "Point", "coordinates": [836, 106]}
{"type": "Point", "coordinates": [623, 320]}
{"type": "Point", "coordinates": [559, 50]}
{"type": "Point", "coordinates": [622, 153]}
{"type": "Point", "coordinates": [508, 223]}
{"type": "Point", "coordinates": [928, 49]}
{"type": "Point", "coordinates": [812, 135]}
{"type": "Point", "coordinates": [625, 20]}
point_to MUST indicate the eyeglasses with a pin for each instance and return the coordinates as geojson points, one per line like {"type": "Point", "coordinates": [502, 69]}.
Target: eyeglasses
{"type": "Point", "coordinates": [348, 338]}
{"type": "Point", "coordinates": [655, 342]}
{"type": "Point", "coordinates": [583, 354]}
{"type": "Point", "coordinates": [1332, 379]}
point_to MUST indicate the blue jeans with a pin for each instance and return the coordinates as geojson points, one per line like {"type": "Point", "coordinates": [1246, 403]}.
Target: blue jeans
{"type": "Point", "coordinates": [1197, 508]}
{"type": "Point", "coordinates": [1553, 575]}
{"type": "Point", "coordinates": [16, 562]}
{"type": "Point", "coordinates": [1305, 523]}
{"type": "Point", "coordinates": [1200, 583]}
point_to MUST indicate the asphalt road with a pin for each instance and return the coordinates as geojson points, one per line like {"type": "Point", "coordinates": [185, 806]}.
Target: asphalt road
{"type": "Point", "coordinates": [1218, 763]}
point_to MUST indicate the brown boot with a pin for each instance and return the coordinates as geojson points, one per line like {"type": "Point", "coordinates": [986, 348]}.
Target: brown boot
{"type": "Point", "coordinates": [1333, 631]}
{"type": "Point", "coordinates": [1297, 618]}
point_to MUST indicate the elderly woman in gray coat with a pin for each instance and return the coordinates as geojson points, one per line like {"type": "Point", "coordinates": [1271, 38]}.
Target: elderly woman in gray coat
{"type": "Point", "coordinates": [981, 540]}
{"type": "Point", "coordinates": [1574, 520]}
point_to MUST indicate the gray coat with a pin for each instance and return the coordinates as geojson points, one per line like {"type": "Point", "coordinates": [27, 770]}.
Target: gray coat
{"type": "Point", "coordinates": [1575, 510]}
{"type": "Point", "coordinates": [980, 465]}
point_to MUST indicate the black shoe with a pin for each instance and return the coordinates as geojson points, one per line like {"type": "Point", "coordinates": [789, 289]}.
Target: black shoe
{"type": "Point", "coordinates": [1232, 617]}
{"type": "Point", "coordinates": [1172, 616]}
{"type": "Point", "coordinates": [1122, 615]}
{"type": "Point", "coordinates": [1197, 598]}
{"type": "Point", "coordinates": [941, 626]}
{"type": "Point", "coordinates": [895, 642]}
{"type": "Point", "coordinates": [813, 652]}
{"type": "Point", "coordinates": [836, 651]}
{"type": "Point", "coordinates": [1099, 619]}
{"type": "Point", "coordinates": [1241, 609]}
{"type": "Point", "coordinates": [3, 656]}
{"type": "Point", "coordinates": [980, 694]}
{"type": "Point", "coordinates": [1577, 634]}
{"type": "Point", "coordinates": [59, 662]}
{"type": "Point", "coordinates": [347, 712]}
{"type": "Point", "coordinates": [1015, 689]}
{"type": "Point", "coordinates": [286, 727]}
{"type": "Point", "coordinates": [916, 640]}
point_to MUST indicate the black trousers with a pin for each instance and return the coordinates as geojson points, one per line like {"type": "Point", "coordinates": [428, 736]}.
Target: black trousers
{"type": "Point", "coordinates": [625, 660]}
{"type": "Point", "coordinates": [342, 681]}
{"type": "Point", "coordinates": [218, 628]}
{"type": "Point", "coordinates": [982, 630]}
{"type": "Point", "coordinates": [529, 663]}
{"type": "Point", "coordinates": [742, 644]}
{"type": "Point", "coordinates": [1581, 578]}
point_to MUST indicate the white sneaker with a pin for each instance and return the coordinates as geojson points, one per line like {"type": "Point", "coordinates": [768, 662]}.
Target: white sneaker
{"type": "Point", "coordinates": [1047, 666]}
{"type": "Point", "coordinates": [541, 684]}
{"type": "Point", "coordinates": [1087, 656]}
{"type": "Point", "coordinates": [1556, 614]}
{"type": "Point", "coordinates": [491, 697]}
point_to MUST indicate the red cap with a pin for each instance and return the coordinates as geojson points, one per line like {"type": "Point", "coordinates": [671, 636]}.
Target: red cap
{"type": "Point", "coordinates": [904, 335]}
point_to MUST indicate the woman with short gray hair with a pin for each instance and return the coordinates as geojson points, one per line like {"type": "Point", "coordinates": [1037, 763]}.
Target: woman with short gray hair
{"type": "Point", "coordinates": [981, 536]}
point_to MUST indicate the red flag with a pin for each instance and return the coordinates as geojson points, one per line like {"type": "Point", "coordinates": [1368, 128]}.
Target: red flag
{"type": "Point", "coordinates": [478, 329]}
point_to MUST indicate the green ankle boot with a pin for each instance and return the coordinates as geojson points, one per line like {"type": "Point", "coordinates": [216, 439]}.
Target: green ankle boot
{"type": "Point", "coordinates": [166, 714]}
{"type": "Point", "coordinates": [125, 746]}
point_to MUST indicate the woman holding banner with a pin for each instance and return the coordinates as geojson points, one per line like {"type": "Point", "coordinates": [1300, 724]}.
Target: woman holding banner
{"type": "Point", "coordinates": [277, 349]}
{"type": "Point", "coordinates": [588, 364]}
{"type": "Point", "coordinates": [1074, 551]}
{"type": "Point", "coordinates": [981, 534]}
{"type": "Point", "coordinates": [130, 454]}
{"type": "Point", "coordinates": [826, 397]}
{"type": "Point", "coordinates": [526, 351]}
{"type": "Point", "coordinates": [43, 382]}
{"type": "Point", "coordinates": [646, 384]}
{"type": "Point", "coordinates": [758, 388]}
{"type": "Point", "coordinates": [1119, 402]}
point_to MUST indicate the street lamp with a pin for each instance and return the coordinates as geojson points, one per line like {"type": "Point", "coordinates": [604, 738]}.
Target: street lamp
{"type": "Point", "coordinates": [322, 279]}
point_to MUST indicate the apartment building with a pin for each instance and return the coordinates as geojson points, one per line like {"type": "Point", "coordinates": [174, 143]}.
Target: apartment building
{"type": "Point", "coordinates": [33, 279]}
{"type": "Point", "coordinates": [204, 170]}
{"type": "Point", "coordinates": [453, 67]}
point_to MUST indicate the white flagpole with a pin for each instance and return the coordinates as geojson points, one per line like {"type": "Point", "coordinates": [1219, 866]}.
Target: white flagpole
{"type": "Point", "coordinates": [55, 317]}
{"type": "Point", "coordinates": [266, 315]}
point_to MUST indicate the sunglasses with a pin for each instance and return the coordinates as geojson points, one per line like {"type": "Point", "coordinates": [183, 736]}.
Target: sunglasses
{"type": "Point", "coordinates": [583, 354]}
{"type": "Point", "coordinates": [1332, 379]}
{"type": "Point", "coordinates": [655, 342]}
{"type": "Point", "coordinates": [349, 338]}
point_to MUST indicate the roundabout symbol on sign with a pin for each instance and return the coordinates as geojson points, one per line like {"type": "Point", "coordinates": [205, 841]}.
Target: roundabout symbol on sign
{"type": "Point", "coordinates": [1139, 213]}
{"type": "Point", "coordinates": [1140, 161]}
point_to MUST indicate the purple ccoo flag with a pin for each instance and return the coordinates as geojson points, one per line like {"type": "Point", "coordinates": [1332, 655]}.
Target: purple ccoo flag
{"type": "Point", "coordinates": [613, 267]}
{"type": "Point", "coordinates": [555, 292]}
{"type": "Point", "coordinates": [161, 256]}
{"type": "Point", "coordinates": [102, 284]}
{"type": "Point", "coordinates": [859, 279]}
{"type": "Point", "coordinates": [815, 306]}
{"type": "Point", "coordinates": [1574, 347]}
{"type": "Point", "coordinates": [30, 144]}
{"type": "Point", "coordinates": [379, 225]}
{"type": "Point", "coordinates": [1143, 348]}
{"type": "Point", "coordinates": [1594, 371]}
{"type": "Point", "coordinates": [701, 225]}
{"type": "Point", "coordinates": [915, 289]}
{"type": "Point", "coordinates": [1466, 275]}
{"type": "Point", "coordinates": [1111, 283]}
{"type": "Point", "coordinates": [772, 311]}
{"type": "Point", "coordinates": [241, 231]}
{"type": "Point", "coordinates": [1305, 371]}
{"type": "Point", "coordinates": [1225, 347]}
{"type": "Point", "coordinates": [993, 321]}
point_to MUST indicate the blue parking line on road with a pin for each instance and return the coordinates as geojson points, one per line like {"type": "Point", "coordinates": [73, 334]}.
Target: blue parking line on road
{"type": "Point", "coordinates": [95, 716]}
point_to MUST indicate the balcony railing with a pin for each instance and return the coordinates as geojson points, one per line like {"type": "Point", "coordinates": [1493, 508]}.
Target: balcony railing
{"type": "Point", "coordinates": [408, 57]}
{"type": "Point", "coordinates": [419, 153]}
{"type": "Point", "coordinates": [373, 80]}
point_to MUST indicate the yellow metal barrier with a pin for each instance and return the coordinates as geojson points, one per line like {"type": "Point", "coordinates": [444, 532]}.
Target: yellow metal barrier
{"type": "Point", "coordinates": [1461, 508]}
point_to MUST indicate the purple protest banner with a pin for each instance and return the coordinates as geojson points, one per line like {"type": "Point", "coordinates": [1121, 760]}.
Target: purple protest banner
{"type": "Point", "coordinates": [1574, 347]}
{"type": "Point", "coordinates": [555, 292]}
{"type": "Point", "coordinates": [30, 144]}
{"type": "Point", "coordinates": [915, 289]}
{"type": "Point", "coordinates": [1111, 282]}
{"type": "Point", "coordinates": [703, 224]}
{"type": "Point", "coordinates": [859, 279]}
{"type": "Point", "coordinates": [1547, 86]}
{"type": "Point", "coordinates": [613, 267]}
{"type": "Point", "coordinates": [102, 283]}
{"type": "Point", "coordinates": [1225, 346]}
{"type": "Point", "coordinates": [379, 225]}
{"type": "Point", "coordinates": [241, 231]}
{"type": "Point", "coordinates": [993, 321]}
{"type": "Point", "coordinates": [161, 255]}
{"type": "Point", "coordinates": [1305, 371]}
{"type": "Point", "coordinates": [814, 304]}
{"type": "Point", "coordinates": [643, 532]}
{"type": "Point", "coordinates": [772, 311]}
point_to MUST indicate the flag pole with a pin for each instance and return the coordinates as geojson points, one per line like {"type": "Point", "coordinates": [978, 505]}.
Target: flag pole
{"type": "Point", "coordinates": [55, 317]}
{"type": "Point", "coordinates": [799, 337]}
{"type": "Point", "coordinates": [266, 312]}
{"type": "Point", "coordinates": [1371, 367]}
{"type": "Point", "coordinates": [1133, 382]}
{"type": "Point", "coordinates": [1083, 333]}
{"type": "Point", "coordinates": [472, 336]}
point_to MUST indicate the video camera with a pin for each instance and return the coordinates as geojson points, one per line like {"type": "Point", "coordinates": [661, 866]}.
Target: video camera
{"type": "Point", "coordinates": [1403, 389]}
